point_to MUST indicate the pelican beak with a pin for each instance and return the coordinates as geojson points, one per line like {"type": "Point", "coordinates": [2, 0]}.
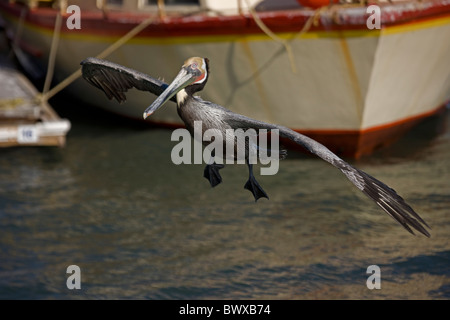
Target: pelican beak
{"type": "Point", "coordinates": [184, 78]}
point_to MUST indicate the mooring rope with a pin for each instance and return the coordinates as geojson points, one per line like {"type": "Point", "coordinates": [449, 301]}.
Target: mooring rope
{"type": "Point", "coordinates": [45, 96]}
{"type": "Point", "coordinates": [52, 54]}
{"type": "Point", "coordinates": [272, 35]}
{"type": "Point", "coordinates": [314, 19]}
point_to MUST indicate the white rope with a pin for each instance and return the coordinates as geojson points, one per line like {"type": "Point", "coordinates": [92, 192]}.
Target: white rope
{"type": "Point", "coordinates": [52, 55]}
{"type": "Point", "coordinates": [133, 32]}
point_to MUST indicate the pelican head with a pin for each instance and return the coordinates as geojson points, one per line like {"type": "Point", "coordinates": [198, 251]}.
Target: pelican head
{"type": "Point", "coordinates": [193, 76]}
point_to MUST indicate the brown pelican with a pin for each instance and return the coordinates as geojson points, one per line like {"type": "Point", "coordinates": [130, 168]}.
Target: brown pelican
{"type": "Point", "coordinates": [115, 80]}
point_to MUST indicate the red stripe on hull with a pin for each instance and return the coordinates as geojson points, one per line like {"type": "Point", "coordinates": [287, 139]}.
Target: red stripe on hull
{"type": "Point", "coordinates": [355, 144]}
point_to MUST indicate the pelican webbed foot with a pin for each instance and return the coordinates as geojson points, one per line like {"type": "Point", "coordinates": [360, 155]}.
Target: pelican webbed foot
{"type": "Point", "coordinates": [211, 173]}
{"type": "Point", "coordinates": [253, 186]}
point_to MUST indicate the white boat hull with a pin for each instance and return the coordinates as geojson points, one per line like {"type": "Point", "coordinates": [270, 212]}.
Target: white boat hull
{"type": "Point", "coordinates": [345, 82]}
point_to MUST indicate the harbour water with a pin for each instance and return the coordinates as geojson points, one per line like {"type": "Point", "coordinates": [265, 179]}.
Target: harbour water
{"type": "Point", "coordinates": [140, 227]}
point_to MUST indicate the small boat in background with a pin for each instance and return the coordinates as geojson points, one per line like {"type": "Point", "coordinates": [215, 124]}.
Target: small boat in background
{"type": "Point", "coordinates": [353, 79]}
{"type": "Point", "coordinates": [25, 121]}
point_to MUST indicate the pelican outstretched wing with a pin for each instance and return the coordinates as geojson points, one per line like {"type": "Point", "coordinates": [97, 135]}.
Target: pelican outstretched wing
{"type": "Point", "coordinates": [115, 79]}
{"type": "Point", "coordinates": [384, 196]}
